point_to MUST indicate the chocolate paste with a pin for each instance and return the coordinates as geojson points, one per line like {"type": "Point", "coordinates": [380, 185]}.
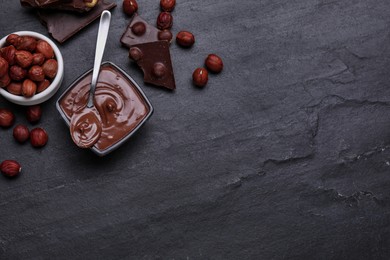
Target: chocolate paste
{"type": "Point", "coordinates": [120, 105]}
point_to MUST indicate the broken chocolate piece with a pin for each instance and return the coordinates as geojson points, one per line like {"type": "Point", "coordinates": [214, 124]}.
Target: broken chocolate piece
{"type": "Point", "coordinates": [62, 25]}
{"type": "Point", "coordinates": [139, 31]}
{"type": "Point", "coordinates": [154, 59]}
{"type": "Point", "coordinates": [62, 5]}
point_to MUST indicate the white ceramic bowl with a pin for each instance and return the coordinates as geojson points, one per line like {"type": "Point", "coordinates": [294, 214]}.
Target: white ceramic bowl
{"type": "Point", "coordinates": [54, 86]}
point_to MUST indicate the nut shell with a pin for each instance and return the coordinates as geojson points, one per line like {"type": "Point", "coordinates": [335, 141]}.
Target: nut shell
{"type": "Point", "coordinates": [34, 113]}
{"type": "Point", "coordinates": [26, 43]}
{"type": "Point", "coordinates": [164, 21]}
{"type": "Point", "coordinates": [35, 73]}
{"type": "Point", "coordinates": [185, 39]}
{"type": "Point", "coordinates": [130, 7]}
{"type": "Point", "coordinates": [38, 137]}
{"type": "Point", "coordinates": [43, 85]}
{"type": "Point", "coordinates": [50, 68]}
{"type": "Point", "coordinates": [45, 48]}
{"type": "Point", "coordinates": [11, 39]}
{"type": "Point", "coordinates": [3, 67]}
{"type": "Point", "coordinates": [29, 88]}
{"type": "Point", "coordinates": [214, 63]}
{"type": "Point", "coordinates": [8, 53]}
{"type": "Point", "coordinates": [10, 168]}
{"type": "Point", "coordinates": [167, 5]}
{"type": "Point", "coordinates": [200, 77]}
{"type": "Point", "coordinates": [21, 133]}
{"type": "Point", "coordinates": [17, 73]}
{"type": "Point", "coordinates": [5, 80]}
{"type": "Point", "coordinates": [15, 88]}
{"type": "Point", "coordinates": [23, 58]}
{"type": "Point", "coordinates": [7, 118]}
{"type": "Point", "coordinates": [38, 59]}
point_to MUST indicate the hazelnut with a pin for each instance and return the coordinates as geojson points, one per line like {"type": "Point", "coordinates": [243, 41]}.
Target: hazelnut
{"type": "Point", "coordinates": [17, 73]}
{"type": "Point", "coordinates": [50, 68]}
{"type": "Point", "coordinates": [165, 35]}
{"type": "Point", "coordinates": [36, 73]}
{"type": "Point", "coordinates": [159, 70]}
{"type": "Point", "coordinates": [139, 28]}
{"type": "Point", "coordinates": [185, 39]}
{"type": "Point", "coordinates": [167, 5]}
{"type": "Point", "coordinates": [200, 77]}
{"type": "Point", "coordinates": [21, 133]}
{"type": "Point", "coordinates": [130, 7]}
{"type": "Point", "coordinates": [23, 58]}
{"type": "Point", "coordinates": [10, 168]}
{"type": "Point", "coordinates": [7, 118]}
{"type": "Point", "coordinates": [33, 113]}
{"type": "Point", "coordinates": [26, 43]}
{"type": "Point", "coordinates": [15, 88]}
{"type": "Point", "coordinates": [28, 88]}
{"type": "Point", "coordinates": [135, 54]}
{"type": "Point", "coordinates": [43, 85]}
{"type": "Point", "coordinates": [3, 67]}
{"type": "Point", "coordinates": [38, 137]}
{"type": "Point", "coordinates": [214, 63]}
{"type": "Point", "coordinates": [11, 39]}
{"type": "Point", "coordinates": [38, 59]}
{"type": "Point", "coordinates": [5, 80]}
{"type": "Point", "coordinates": [164, 21]}
{"type": "Point", "coordinates": [45, 48]}
{"type": "Point", "coordinates": [8, 53]}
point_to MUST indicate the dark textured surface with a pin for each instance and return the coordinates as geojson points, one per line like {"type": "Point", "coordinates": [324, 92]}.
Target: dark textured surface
{"type": "Point", "coordinates": [285, 155]}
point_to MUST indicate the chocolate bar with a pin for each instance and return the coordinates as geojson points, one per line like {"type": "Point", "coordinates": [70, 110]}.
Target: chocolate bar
{"type": "Point", "coordinates": [62, 25]}
{"type": "Point", "coordinates": [154, 59]}
{"type": "Point", "coordinates": [63, 5]}
{"type": "Point", "coordinates": [139, 31]}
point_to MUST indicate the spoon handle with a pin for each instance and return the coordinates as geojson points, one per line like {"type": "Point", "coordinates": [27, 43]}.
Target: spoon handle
{"type": "Point", "coordinates": [104, 26]}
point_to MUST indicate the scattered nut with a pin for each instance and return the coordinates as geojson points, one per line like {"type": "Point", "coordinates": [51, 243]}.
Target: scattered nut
{"type": "Point", "coordinates": [11, 39]}
{"type": "Point", "coordinates": [165, 35]}
{"type": "Point", "coordinates": [23, 58]}
{"type": "Point", "coordinates": [34, 113]}
{"type": "Point", "coordinates": [45, 48]}
{"type": "Point", "coordinates": [43, 85]}
{"type": "Point", "coordinates": [7, 118]}
{"type": "Point", "coordinates": [185, 39]}
{"type": "Point", "coordinates": [3, 67]}
{"type": "Point", "coordinates": [167, 5]}
{"type": "Point", "coordinates": [17, 73]}
{"type": "Point", "coordinates": [139, 28]}
{"type": "Point", "coordinates": [26, 43]}
{"type": "Point", "coordinates": [38, 59]}
{"type": "Point", "coordinates": [10, 168]}
{"type": "Point", "coordinates": [214, 63]}
{"type": "Point", "coordinates": [50, 68]}
{"type": "Point", "coordinates": [29, 88]}
{"type": "Point", "coordinates": [164, 21]}
{"type": "Point", "coordinates": [38, 137]}
{"type": "Point", "coordinates": [36, 73]}
{"type": "Point", "coordinates": [130, 7]}
{"type": "Point", "coordinates": [200, 77]}
{"type": "Point", "coordinates": [5, 80]}
{"type": "Point", "coordinates": [15, 88]}
{"type": "Point", "coordinates": [8, 53]}
{"type": "Point", "coordinates": [21, 133]}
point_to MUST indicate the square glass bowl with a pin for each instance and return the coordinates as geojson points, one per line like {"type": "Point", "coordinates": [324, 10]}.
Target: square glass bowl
{"type": "Point", "coordinates": [125, 106]}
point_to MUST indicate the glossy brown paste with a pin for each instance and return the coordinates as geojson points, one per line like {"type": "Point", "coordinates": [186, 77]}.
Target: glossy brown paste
{"type": "Point", "coordinates": [120, 105]}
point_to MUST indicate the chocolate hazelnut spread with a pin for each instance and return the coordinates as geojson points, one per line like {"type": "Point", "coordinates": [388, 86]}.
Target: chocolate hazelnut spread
{"type": "Point", "coordinates": [120, 105]}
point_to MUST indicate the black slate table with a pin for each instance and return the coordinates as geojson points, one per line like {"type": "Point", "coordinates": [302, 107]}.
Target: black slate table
{"type": "Point", "coordinates": [285, 155]}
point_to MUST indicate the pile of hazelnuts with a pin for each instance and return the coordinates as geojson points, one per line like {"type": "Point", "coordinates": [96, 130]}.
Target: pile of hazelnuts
{"type": "Point", "coordinates": [184, 38]}
{"type": "Point", "coordinates": [38, 136]}
{"type": "Point", "coordinates": [27, 65]}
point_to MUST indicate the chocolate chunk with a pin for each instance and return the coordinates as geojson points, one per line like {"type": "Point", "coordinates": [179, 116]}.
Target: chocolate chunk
{"type": "Point", "coordinates": [154, 59]}
{"type": "Point", "coordinates": [139, 31]}
{"type": "Point", "coordinates": [68, 5]}
{"type": "Point", "coordinates": [62, 25]}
